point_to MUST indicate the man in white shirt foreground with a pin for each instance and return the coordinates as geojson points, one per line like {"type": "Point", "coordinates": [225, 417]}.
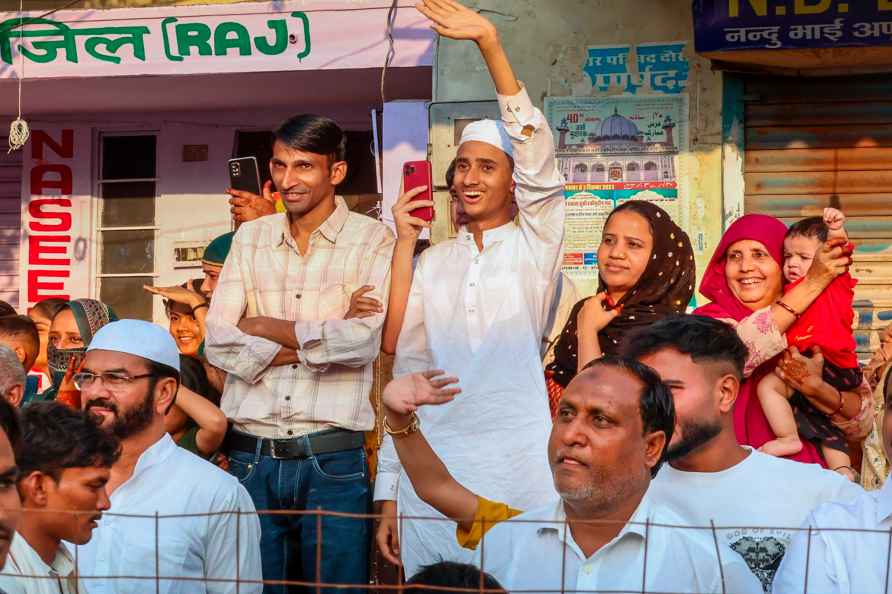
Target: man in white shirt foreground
{"type": "Point", "coordinates": [478, 307]}
{"type": "Point", "coordinates": [64, 464]}
{"type": "Point", "coordinates": [180, 524]}
{"type": "Point", "coordinates": [843, 546]}
{"type": "Point", "coordinates": [608, 532]}
{"type": "Point", "coordinates": [710, 478]}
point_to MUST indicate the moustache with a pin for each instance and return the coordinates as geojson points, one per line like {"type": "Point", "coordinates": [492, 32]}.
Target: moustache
{"type": "Point", "coordinates": [101, 403]}
{"type": "Point", "coordinates": [564, 453]}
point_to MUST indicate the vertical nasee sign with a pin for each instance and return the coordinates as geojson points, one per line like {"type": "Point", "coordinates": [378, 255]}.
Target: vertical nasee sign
{"type": "Point", "coordinates": [55, 250]}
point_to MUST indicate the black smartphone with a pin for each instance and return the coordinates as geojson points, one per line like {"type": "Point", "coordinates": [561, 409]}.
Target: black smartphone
{"type": "Point", "coordinates": [244, 175]}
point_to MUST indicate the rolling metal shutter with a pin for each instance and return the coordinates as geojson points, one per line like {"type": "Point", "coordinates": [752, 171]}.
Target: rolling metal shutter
{"type": "Point", "coordinates": [817, 142]}
{"type": "Point", "coordinates": [10, 222]}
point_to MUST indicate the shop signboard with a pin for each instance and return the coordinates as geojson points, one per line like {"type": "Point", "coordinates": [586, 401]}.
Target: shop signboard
{"type": "Point", "coordinates": [723, 25]}
{"type": "Point", "coordinates": [56, 216]}
{"type": "Point", "coordinates": [229, 38]}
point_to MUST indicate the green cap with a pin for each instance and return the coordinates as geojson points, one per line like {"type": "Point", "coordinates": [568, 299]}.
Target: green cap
{"type": "Point", "coordinates": [217, 250]}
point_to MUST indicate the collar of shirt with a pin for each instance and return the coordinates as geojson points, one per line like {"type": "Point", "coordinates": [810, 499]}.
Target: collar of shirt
{"type": "Point", "coordinates": [490, 236]}
{"type": "Point", "coordinates": [329, 229]}
{"type": "Point", "coordinates": [884, 502]}
{"type": "Point", "coordinates": [635, 526]}
{"type": "Point", "coordinates": [26, 559]}
{"type": "Point", "coordinates": [156, 454]}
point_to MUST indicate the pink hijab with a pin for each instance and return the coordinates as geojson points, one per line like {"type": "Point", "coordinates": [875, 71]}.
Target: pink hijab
{"type": "Point", "coordinates": [750, 424]}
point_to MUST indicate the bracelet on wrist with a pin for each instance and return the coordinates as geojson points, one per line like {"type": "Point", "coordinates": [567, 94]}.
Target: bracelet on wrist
{"type": "Point", "coordinates": [412, 427]}
{"type": "Point", "coordinates": [788, 308]}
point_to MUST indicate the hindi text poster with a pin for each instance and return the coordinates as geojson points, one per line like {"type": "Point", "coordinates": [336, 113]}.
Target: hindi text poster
{"type": "Point", "coordinates": [611, 150]}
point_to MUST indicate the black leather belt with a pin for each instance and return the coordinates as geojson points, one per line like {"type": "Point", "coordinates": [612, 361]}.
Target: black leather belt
{"type": "Point", "coordinates": [323, 442]}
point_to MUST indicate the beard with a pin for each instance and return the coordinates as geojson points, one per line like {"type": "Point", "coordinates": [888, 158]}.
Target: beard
{"type": "Point", "coordinates": [603, 490]}
{"type": "Point", "coordinates": [131, 421]}
{"type": "Point", "coordinates": [694, 434]}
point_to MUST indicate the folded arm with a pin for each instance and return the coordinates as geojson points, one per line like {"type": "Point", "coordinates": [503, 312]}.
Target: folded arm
{"type": "Point", "coordinates": [354, 342]}
{"type": "Point", "coordinates": [226, 345]}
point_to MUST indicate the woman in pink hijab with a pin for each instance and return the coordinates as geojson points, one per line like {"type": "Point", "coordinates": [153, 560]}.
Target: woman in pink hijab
{"type": "Point", "coordinates": [744, 283]}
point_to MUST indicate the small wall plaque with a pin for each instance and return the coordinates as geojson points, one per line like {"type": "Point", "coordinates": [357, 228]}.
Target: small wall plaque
{"type": "Point", "coordinates": [188, 254]}
{"type": "Point", "coordinates": [195, 152]}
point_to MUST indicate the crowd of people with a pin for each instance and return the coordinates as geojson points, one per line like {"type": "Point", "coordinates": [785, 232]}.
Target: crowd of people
{"type": "Point", "coordinates": [535, 441]}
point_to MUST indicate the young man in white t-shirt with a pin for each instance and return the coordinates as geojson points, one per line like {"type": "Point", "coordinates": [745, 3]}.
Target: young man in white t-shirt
{"type": "Point", "coordinates": [710, 478]}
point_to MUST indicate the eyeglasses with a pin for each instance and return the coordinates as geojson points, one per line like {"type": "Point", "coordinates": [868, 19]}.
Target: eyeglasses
{"type": "Point", "coordinates": [112, 381]}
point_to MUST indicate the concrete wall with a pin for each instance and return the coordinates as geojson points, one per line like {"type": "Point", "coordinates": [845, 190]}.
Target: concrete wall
{"type": "Point", "coordinates": [546, 41]}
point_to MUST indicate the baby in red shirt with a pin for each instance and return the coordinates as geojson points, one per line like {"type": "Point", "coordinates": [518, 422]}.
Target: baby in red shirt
{"type": "Point", "coordinates": [827, 325]}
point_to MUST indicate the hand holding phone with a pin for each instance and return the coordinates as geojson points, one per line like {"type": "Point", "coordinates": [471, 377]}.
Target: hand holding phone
{"type": "Point", "coordinates": [417, 174]}
{"type": "Point", "coordinates": [244, 175]}
{"type": "Point", "coordinates": [409, 226]}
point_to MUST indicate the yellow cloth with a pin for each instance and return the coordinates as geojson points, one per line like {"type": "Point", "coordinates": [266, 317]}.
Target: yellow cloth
{"type": "Point", "coordinates": [489, 513]}
{"type": "Point", "coordinates": [280, 206]}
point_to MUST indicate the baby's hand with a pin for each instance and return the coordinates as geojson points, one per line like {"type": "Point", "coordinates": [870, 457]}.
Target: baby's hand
{"type": "Point", "coordinates": [834, 219]}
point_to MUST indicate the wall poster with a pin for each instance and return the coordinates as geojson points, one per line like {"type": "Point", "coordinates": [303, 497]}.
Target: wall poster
{"type": "Point", "coordinates": [610, 150]}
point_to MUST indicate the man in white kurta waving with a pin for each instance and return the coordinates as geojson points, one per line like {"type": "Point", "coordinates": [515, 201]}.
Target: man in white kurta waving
{"type": "Point", "coordinates": [477, 308]}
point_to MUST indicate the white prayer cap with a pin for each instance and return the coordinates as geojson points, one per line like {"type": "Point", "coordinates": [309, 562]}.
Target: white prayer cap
{"type": "Point", "coordinates": [136, 337]}
{"type": "Point", "coordinates": [490, 132]}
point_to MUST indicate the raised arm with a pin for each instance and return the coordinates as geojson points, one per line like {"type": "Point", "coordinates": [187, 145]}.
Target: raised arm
{"type": "Point", "coordinates": [836, 224]}
{"type": "Point", "coordinates": [210, 420]}
{"type": "Point", "coordinates": [429, 476]}
{"type": "Point", "coordinates": [831, 260]}
{"type": "Point", "coordinates": [413, 355]}
{"type": "Point", "coordinates": [539, 193]}
{"type": "Point", "coordinates": [455, 21]}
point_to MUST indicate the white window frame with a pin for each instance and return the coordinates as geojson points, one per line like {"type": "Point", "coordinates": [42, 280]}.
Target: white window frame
{"type": "Point", "coordinates": [97, 220]}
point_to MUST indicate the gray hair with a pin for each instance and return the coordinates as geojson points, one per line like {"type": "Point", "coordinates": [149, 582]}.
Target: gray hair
{"type": "Point", "coordinates": [11, 371]}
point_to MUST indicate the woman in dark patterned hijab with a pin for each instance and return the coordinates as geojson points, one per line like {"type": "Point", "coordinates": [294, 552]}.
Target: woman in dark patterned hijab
{"type": "Point", "coordinates": [646, 272]}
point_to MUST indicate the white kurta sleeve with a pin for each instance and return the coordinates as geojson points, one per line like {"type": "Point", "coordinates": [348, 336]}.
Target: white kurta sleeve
{"type": "Point", "coordinates": [540, 186]}
{"type": "Point", "coordinates": [233, 545]}
{"type": "Point", "coordinates": [388, 477]}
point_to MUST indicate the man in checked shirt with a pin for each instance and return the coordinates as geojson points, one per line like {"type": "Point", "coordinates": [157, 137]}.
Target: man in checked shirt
{"type": "Point", "coordinates": [299, 374]}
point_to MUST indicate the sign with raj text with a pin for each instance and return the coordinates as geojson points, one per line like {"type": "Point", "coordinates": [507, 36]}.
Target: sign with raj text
{"type": "Point", "coordinates": [56, 217]}
{"type": "Point", "coordinates": [722, 25]}
{"type": "Point", "coordinates": [250, 37]}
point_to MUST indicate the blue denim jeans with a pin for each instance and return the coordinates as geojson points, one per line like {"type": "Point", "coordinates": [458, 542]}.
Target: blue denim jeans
{"type": "Point", "coordinates": [338, 481]}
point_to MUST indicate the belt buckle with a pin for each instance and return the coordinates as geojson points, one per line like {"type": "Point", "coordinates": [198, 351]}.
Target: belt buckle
{"type": "Point", "coordinates": [273, 450]}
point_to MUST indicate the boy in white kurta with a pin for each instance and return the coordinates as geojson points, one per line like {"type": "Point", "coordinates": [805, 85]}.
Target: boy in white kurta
{"type": "Point", "coordinates": [478, 307]}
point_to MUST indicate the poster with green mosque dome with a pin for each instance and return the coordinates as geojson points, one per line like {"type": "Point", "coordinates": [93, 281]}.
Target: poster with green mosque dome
{"type": "Point", "coordinates": [610, 150]}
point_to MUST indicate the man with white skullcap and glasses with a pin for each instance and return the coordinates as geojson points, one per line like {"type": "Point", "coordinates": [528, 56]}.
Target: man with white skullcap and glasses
{"type": "Point", "coordinates": [477, 308]}
{"type": "Point", "coordinates": [175, 517]}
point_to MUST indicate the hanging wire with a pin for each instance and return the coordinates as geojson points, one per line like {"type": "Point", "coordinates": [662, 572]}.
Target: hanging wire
{"type": "Point", "coordinates": [391, 21]}
{"type": "Point", "coordinates": [18, 129]}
